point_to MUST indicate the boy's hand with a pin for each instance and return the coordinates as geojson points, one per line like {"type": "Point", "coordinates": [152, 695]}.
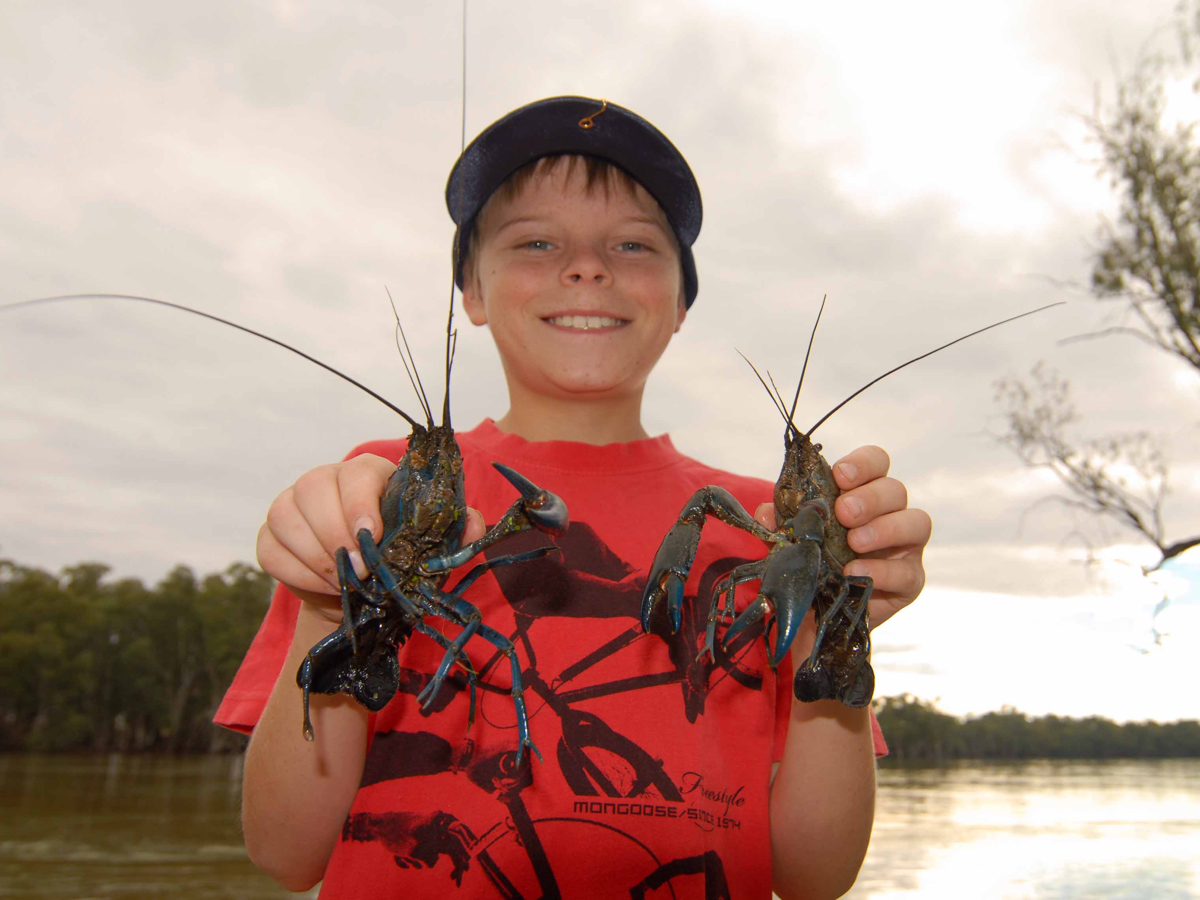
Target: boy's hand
{"type": "Point", "coordinates": [322, 511]}
{"type": "Point", "coordinates": [888, 536]}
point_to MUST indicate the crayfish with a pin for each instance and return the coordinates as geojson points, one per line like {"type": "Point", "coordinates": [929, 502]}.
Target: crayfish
{"type": "Point", "coordinates": [803, 570]}
{"type": "Point", "coordinates": [424, 516]}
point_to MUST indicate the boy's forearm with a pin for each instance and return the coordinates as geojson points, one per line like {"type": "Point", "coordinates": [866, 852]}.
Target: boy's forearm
{"type": "Point", "coordinates": [822, 800]}
{"type": "Point", "coordinates": [296, 793]}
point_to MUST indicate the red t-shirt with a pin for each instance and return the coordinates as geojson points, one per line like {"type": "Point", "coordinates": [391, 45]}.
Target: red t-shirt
{"type": "Point", "coordinates": [656, 763]}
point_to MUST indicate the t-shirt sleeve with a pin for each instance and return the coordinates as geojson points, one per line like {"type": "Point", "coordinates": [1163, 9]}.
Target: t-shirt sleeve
{"type": "Point", "coordinates": [247, 695]}
{"type": "Point", "coordinates": [783, 712]}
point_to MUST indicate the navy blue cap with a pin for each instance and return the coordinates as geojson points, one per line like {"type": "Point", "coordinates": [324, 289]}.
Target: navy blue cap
{"type": "Point", "coordinates": [576, 125]}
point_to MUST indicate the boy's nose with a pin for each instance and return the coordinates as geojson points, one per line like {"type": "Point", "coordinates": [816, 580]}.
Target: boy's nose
{"type": "Point", "coordinates": [586, 267]}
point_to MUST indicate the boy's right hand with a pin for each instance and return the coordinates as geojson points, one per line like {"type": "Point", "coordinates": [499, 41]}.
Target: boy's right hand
{"type": "Point", "coordinates": [322, 512]}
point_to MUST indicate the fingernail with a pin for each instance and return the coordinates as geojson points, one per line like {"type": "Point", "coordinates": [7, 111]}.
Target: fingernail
{"type": "Point", "coordinates": [853, 506]}
{"type": "Point", "coordinates": [855, 568]}
{"type": "Point", "coordinates": [865, 537]}
{"type": "Point", "coordinates": [356, 560]}
{"type": "Point", "coordinates": [849, 470]}
{"type": "Point", "coordinates": [361, 523]}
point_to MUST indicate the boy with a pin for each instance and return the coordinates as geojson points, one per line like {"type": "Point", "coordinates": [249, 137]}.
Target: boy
{"type": "Point", "coordinates": [660, 770]}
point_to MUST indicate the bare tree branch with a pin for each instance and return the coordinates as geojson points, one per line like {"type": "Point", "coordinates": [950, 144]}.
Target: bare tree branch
{"type": "Point", "coordinates": [1148, 258]}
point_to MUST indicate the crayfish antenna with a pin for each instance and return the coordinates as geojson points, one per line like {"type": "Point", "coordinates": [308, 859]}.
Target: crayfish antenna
{"type": "Point", "coordinates": [196, 312]}
{"type": "Point", "coordinates": [762, 381]}
{"type": "Point", "coordinates": [807, 353]}
{"type": "Point", "coordinates": [451, 348]}
{"type": "Point", "coordinates": [451, 333]}
{"type": "Point", "coordinates": [414, 377]}
{"type": "Point", "coordinates": [821, 420]}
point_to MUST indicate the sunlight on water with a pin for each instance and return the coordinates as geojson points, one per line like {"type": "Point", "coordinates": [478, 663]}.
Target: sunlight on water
{"type": "Point", "coordinates": [1039, 830]}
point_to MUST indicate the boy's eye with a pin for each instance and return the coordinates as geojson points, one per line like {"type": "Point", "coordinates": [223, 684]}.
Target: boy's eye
{"type": "Point", "coordinates": [537, 245]}
{"type": "Point", "coordinates": [631, 245]}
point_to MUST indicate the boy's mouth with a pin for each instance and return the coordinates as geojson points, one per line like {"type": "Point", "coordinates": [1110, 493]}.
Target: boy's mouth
{"type": "Point", "coordinates": [586, 323]}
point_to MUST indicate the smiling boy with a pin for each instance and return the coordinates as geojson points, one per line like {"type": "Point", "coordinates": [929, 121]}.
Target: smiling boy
{"type": "Point", "coordinates": [661, 771]}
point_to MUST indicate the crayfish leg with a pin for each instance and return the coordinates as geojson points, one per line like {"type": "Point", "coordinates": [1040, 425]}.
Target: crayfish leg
{"type": "Point", "coordinates": [727, 584]}
{"type": "Point", "coordinates": [677, 552]}
{"type": "Point", "coordinates": [308, 729]}
{"type": "Point", "coordinates": [464, 663]}
{"type": "Point", "coordinates": [504, 645]}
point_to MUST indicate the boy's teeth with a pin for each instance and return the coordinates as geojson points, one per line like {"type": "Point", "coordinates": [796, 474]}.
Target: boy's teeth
{"type": "Point", "coordinates": [584, 322]}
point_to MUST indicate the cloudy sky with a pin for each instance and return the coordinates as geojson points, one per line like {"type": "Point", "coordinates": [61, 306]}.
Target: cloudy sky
{"type": "Point", "coordinates": [925, 165]}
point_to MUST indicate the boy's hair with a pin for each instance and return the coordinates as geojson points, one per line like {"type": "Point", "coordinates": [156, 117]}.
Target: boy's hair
{"type": "Point", "coordinates": [600, 174]}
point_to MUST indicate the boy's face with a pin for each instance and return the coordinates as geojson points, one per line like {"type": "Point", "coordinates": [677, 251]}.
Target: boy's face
{"type": "Point", "coordinates": [582, 290]}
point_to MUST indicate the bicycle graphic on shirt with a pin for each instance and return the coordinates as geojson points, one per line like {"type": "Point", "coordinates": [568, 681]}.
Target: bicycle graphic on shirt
{"type": "Point", "coordinates": [610, 588]}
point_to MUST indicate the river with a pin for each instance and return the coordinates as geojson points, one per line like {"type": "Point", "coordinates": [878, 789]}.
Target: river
{"type": "Point", "coordinates": [78, 828]}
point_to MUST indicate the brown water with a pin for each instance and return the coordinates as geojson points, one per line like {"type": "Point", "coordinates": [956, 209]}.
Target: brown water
{"type": "Point", "coordinates": [122, 827]}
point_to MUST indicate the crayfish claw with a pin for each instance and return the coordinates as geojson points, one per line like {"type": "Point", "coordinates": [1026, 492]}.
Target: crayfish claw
{"type": "Point", "coordinates": [750, 615]}
{"type": "Point", "coordinates": [545, 510]}
{"type": "Point", "coordinates": [675, 601]}
{"type": "Point", "coordinates": [668, 584]}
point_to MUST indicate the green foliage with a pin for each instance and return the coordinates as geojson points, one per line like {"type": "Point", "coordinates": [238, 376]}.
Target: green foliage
{"type": "Point", "coordinates": [90, 665]}
{"type": "Point", "coordinates": [916, 729]}
{"type": "Point", "coordinates": [1150, 256]}
{"type": "Point", "coordinates": [1147, 261]}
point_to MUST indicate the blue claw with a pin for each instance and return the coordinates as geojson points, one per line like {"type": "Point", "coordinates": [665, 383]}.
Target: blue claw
{"type": "Point", "coordinates": [669, 585]}
{"type": "Point", "coordinates": [748, 617]}
{"type": "Point", "coordinates": [647, 607]}
{"type": "Point", "coordinates": [545, 510]}
{"type": "Point", "coordinates": [675, 601]}
{"type": "Point", "coordinates": [788, 619]}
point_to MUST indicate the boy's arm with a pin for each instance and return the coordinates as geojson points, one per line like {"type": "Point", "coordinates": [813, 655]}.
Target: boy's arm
{"type": "Point", "coordinates": [296, 794]}
{"type": "Point", "coordinates": [823, 793]}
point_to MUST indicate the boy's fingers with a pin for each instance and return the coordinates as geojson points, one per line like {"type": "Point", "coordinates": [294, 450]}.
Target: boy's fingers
{"type": "Point", "coordinates": [860, 466]}
{"type": "Point", "coordinates": [361, 481]}
{"type": "Point", "coordinates": [766, 515]}
{"type": "Point", "coordinates": [901, 532]}
{"type": "Point", "coordinates": [319, 500]}
{"type": "Point", "coordinates": [475, 528]}
{"type": "Point", "coordinates": [871, 500]}
{"type": "Point", "coordinates": [286, 568]}
{"type": "Point", "coordinates": [897, 582]}
{"type": "Point", "coordinates": [290, 530]}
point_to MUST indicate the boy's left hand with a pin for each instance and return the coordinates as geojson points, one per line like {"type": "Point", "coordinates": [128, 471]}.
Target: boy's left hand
{"type": "Point", "coordinates": [888, 536]}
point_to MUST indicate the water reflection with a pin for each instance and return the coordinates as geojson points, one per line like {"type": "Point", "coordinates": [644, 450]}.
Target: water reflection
{"type": "Point", "coordinates": [1045, 830]}
{"type": "Point", "coordinates": [123, 827]}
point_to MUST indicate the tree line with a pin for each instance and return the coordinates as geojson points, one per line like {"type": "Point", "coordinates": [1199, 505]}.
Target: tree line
{"type": "Point", "coordinates": [916, 730]}
{"type": "Point", "coordinates": [89, 665]}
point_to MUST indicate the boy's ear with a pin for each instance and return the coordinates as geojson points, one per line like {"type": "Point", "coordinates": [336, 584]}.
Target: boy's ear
{"type": "Point", "coordinates": [682, 313]}
{"type": "Point", "coordinates": [473, 303]}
